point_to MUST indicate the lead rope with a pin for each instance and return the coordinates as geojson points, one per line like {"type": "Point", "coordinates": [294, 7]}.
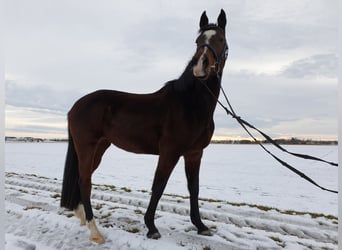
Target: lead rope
{"type": "Point", "coordinates": [243, 123]}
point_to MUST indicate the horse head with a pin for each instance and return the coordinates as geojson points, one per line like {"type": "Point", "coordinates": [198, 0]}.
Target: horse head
{"type": "Point", "coordinates": [212, 48]}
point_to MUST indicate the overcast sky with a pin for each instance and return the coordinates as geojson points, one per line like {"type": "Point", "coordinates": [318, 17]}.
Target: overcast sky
{"type": "Point", "coordinates": [281, 73]}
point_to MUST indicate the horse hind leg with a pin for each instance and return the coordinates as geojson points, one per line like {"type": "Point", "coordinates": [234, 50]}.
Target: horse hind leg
{"type": "Point", "coordinates": [89, 158]}
{"type": "Point", "coordinates": [85, 187]}
{"type": "Point", "coordinates": [101, 148]}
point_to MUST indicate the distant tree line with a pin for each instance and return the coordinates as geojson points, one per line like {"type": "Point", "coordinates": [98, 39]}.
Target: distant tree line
{"type": "Point", "coordinates": [31, 139]}
{"type": "Point", "coordinates": [291, 141]}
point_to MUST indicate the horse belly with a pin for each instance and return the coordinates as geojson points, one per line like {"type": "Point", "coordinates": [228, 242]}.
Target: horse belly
{"type": "Point", "coordinates": [134, 126]}
{"type": "Point", "coordinates": [140, 141]}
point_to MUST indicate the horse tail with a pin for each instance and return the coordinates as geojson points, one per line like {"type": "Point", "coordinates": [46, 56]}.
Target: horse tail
{"type": "Point", "coordinates": [71, 195]}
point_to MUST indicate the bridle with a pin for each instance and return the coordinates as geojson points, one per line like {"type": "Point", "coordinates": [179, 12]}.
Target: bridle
{"type": "Point", "coordinates": [245, 125]}
{"type": "Point", "coordinates": [218, 58]}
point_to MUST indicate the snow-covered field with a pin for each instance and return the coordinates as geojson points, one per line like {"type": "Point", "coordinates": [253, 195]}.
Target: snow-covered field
{"type": "Point", "coordinates": [248, 200]}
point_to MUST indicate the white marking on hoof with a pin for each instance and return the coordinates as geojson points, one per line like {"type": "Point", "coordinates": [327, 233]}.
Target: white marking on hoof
{"type": "Point", "coordinates": [95, 235]}
{"type": "Point", "coordinates": [79, 213]}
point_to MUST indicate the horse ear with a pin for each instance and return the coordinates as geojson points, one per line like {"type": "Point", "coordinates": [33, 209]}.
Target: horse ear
{"type": "Point", "coordinates": [221, 20]}
{"type": "Point", "coordinates": [204, 20]}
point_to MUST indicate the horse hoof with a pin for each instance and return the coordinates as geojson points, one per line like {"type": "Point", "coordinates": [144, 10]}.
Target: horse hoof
{"type": "Point", "coordinates": [206, 233]}
{"type": "Point", "coordinates": [97, 239]}
{"type": "Point", "coordinates": [154, 236]}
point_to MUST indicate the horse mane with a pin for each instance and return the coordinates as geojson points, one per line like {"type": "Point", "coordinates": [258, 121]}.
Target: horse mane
{"type": "Point", "coordinates": [186, 81]}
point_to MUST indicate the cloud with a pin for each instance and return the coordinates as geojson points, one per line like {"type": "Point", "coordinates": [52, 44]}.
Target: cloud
{"type": "Point", "coordinates": [269, 26]}
{"type": "Point", "coordinates": [324, 65]}
{"type": "Point", "coordinates": [37, 110]}
{"type": "Point", "coordinates": [117, 45]}
{"type": "Point", "coordinates": [306, 127]}
{"type": "Point", "coordinates": [281, 63]}
{"type": "Point", "coordinates": [22, 121]}
{"type": "Point", "coordinates": [277, 105]}
{"type": "Point", "coordinates": [39, 97]}
{"type": "Point", "coordinates": [266, 36]}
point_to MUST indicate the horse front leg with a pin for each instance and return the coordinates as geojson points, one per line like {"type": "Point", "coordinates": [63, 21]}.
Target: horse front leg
{"type": "Point", "coordinates": [192, 166]}
{"type": "Point", "coordinates": [165, 166]}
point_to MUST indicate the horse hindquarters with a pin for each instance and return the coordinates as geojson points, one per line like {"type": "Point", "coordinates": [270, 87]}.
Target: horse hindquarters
{"type": "Point", "coordinates": [71, 195]}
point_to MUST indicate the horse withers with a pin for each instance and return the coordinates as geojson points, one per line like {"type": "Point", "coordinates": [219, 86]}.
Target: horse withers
{"type": "Point", "coordinates": [175, 121]}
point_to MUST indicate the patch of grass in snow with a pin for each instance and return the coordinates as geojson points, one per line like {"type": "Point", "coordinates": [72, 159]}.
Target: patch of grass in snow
{"type": "Point", "coordinates": [288, 212]}
{"type": "Point", "coordinates": [138, 211]}
{"type": "Point", "coordinates": [133, 230]}
{"type": "Point", "coordinates": [329, 217]}
{"type": "Point", "coordinates": [98, 206]}
{"type": "Point", "coordinates": [260, 207]}
{"type": "Point", "coordinates": [127, 190]}
{"type": "Point", "coordinates": [309, 246]}
{"type": "Point", "coordinates": [190, 229]}
{"type": "Point", "coordinates": [32, 207]}
{"type": "Point", "coordinates": [206, 248]}
{"type": "Point", "coordinates": [23, 191]}
{"type": "Point", "coordinates": [117, 207]}
{"type": "Point", "coordinates": [312, 215]}
{"type": "Point", "coordinates": [181, 244]}
{"type": "Point", "coordinates": [177, 196]}
{"type": "Point", "coordinates": [278, 241]}
{"type": "Point", "coordinates": [210, 200]}
{"type": "Point", "coordinates": [55, 196]}
{"type": "Point", "coordinates": [143, 191]}
{"type": "Point", "coordinates": [104, 216]}
{"type": "Point", "coordinates": [104, 186]}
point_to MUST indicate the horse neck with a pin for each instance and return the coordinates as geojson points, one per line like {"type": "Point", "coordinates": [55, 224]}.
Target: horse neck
{"type": "Point", "coordinates": [213, 85]}
{"type": "Point", "coordinates": [212, 90]}
{"type": "Point", "coordinates": [188, 80]}
{"type": "Point", "coordinates": [209, 89]}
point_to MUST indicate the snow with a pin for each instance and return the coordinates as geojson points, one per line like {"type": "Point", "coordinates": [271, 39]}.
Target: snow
{"type": "Point", "coordinates": [233, 178]}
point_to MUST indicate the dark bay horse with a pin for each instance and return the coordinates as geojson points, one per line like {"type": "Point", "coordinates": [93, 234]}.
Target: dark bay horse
{"type": "Point", "coordinates": [175, 121]}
